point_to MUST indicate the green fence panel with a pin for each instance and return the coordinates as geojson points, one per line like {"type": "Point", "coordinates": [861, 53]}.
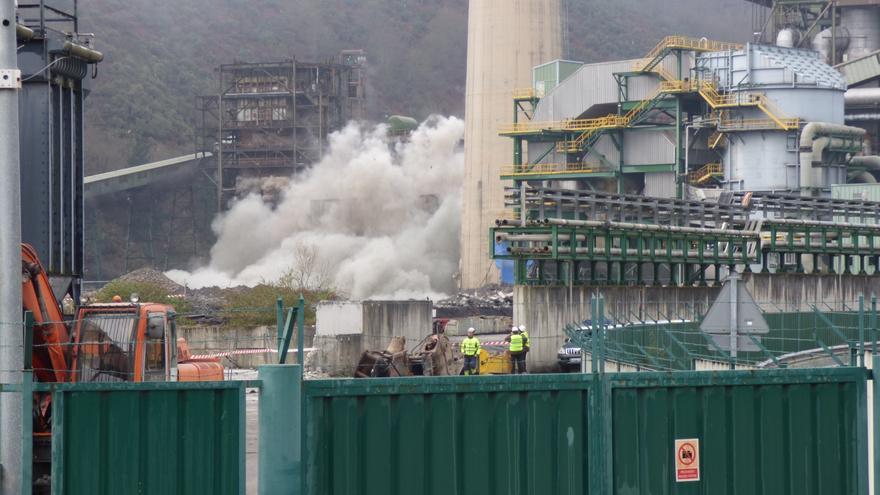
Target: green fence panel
{"type": "Point", "coordinates": [163, 438]}
{"type": "Point", "coordinates": [767, 432]}
{"type": "Point", "coordinates": [448, 435]}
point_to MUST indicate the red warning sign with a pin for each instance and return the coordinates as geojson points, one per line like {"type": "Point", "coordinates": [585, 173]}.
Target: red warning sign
{"type": "Point", "coordinates": [687, 460]}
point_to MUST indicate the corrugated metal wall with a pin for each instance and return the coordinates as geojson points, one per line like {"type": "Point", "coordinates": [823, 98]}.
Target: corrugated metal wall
{"type": "Point", "coordinates": [591, 85]}
{"type": "Point", "coordinates": [779, 432]}
{"type": "Point", "coordinates": [649, 147]}
{"type": "Point", "coordinates": [771, 432]}
{"type": "Point", "coordinates": [447, 436]}
{"type": "Point", "coordinates": [163, 438]}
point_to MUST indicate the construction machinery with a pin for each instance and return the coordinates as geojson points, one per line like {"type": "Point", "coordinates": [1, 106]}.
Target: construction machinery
{"type": "Point", "coordinates": [106, 342]}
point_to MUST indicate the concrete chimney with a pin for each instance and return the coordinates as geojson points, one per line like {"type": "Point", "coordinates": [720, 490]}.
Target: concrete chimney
{"type": "Point", "coordinates": [506, 38]}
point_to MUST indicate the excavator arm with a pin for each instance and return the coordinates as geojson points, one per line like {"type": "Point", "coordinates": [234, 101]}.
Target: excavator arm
{"type": "Point", "coordinates": [51, 335]}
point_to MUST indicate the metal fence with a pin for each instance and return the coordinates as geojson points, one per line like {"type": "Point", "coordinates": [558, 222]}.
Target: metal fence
{"type": "Point", "coordinates": [826, 334]}
{"type": "Point", "coordinates": [756, 431]}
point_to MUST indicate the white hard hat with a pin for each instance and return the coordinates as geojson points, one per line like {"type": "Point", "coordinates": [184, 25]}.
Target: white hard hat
{"type": "Point", "coordinates": [471, 330]}
{"type": "Point", "coordinates": [522, 328]}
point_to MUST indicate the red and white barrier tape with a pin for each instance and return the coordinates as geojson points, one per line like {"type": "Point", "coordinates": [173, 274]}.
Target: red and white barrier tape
{"type": "Point", "coordinates": [241, 352]}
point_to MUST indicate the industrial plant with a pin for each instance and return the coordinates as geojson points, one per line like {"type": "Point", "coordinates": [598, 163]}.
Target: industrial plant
{"type": "Point", "coordinates": [663, 176]}
{"type": "Point", "coordinates": [649, 275]}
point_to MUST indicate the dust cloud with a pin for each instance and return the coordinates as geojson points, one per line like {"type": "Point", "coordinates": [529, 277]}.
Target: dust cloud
{"type": "Point", "coordinates": [377, 217]}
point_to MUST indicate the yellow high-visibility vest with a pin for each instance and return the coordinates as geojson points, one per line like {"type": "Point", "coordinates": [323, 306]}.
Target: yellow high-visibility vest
{"type": "Point", "coordinates": [470, 346]}
{"type": "Point", "coordinates": [516, 343]}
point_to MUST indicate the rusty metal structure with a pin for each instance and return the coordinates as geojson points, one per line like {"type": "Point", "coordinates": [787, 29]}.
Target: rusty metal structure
{"type": "Point", "coordinates": [272, 119]}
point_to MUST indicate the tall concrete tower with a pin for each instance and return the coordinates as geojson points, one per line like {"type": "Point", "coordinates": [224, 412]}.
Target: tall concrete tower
{"type": "Point", "coordinates": [506, 38]}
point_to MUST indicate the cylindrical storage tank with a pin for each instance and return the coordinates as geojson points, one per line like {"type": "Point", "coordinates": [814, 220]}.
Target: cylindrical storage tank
{"type": "Point", "coordinates": [863, 24]}
{"type": "Point", "coordinates": [761, 161]}
{"type": "Point", "coordinates": [787, 38]}
{"type": "Point", "coordinates": [796, 84]}
{"type": "Point", "coordinates": [769, 160]}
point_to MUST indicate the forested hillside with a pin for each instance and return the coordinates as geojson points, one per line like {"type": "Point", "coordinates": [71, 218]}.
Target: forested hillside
{"type": "Point", "coordinates": [160, 54]}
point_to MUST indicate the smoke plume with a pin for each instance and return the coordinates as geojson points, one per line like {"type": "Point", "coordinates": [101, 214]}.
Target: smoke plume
{"type": "Point", "coordinates": [377, 217]}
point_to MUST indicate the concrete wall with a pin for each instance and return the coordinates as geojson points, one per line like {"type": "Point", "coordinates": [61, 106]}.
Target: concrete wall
{"type": "Point", "coordinates": [346, 330]}
{"type": "Point", "coordinates": [546, 310]}
{"type": "Point", "coordinates": [383, 320]}
{"type": "Point", "coordinates": [207, 340]}
{"type": "Point", "coordinates": [506, 39]}
{"type": "Point", "coordinates": [339, 318]}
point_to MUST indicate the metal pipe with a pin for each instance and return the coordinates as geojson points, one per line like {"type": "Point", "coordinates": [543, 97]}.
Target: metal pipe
{"type": "Point", "coordinates": [82, 52]}
{"type": "Point", "coordinates": [23, 33]}
{"type": "Point", "coordinates": [860, 177]}
{"type": "Point", "coordinates": [503, 236]}
{"type": "Point", "coordinates": [812, 146]}
{"type": "Point", "coordinates": [861, 96]}
{"type": "Point", "coordinates": [857, 117]}
{"type": "Point", "coordinates": [11, 334]}
{"type": "Point", "coordinates": [647, 227]}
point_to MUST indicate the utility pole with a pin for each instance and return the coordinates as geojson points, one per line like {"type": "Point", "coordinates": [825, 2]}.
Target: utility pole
{"type": "Point", "coordinates": [11, 334]}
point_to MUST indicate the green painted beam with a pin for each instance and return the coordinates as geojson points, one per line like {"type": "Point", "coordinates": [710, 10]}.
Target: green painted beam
{"type": "Point", "coordinates": [653, 168]}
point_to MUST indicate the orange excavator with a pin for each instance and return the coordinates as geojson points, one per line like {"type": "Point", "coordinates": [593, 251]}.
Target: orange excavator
{"type": "Point", "coordinates": [109, 342]}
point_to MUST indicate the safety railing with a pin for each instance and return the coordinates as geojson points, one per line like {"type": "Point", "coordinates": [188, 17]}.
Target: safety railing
{"type": "Point", "coordinates": [717, 140]}
{"type": "Point", "coordinates": [524, 93]}
{"type": "Point", "coordinates": [552, 168]}
{"type": "Point", "coordinates": [682, 43]}
{"type": "Point", "coordinates": [705, 173]}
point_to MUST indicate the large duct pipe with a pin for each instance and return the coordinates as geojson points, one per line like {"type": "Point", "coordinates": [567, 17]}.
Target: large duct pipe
{"type": "Point", "coordinates": [860, 177]}
{"type": "Point", "coordinates": [822, 43]}
{"type": "Point", "coordinates": [871, 164]}
{"type": "Point", "coordinates": [812, 146]}
{"type": "Point", "coordinates": [861, 96]}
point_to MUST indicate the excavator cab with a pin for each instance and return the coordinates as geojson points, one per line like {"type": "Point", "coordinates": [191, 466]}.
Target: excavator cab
{"type": "Point", "coordinates": [121, 342]}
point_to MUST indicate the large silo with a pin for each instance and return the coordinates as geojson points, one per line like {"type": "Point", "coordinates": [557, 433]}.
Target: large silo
{"type": "Point", "coordinates": [506, 39]}
{"type": "Point", "coordinates": [798, 85]}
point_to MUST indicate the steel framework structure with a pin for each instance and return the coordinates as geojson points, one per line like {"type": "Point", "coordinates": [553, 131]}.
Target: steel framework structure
{"type": "Point", "coordinates": [585, 237]}
{"type": "Point", "coordinates": [273, 119]}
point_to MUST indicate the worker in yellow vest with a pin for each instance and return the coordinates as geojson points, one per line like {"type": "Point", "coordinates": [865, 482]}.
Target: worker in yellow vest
{"type": "Point", "coordinates": [517, 349]}
{"type": "Point", "coordinates": [528, 341]}
{"type": "Point", "coordinates": [470, 349]}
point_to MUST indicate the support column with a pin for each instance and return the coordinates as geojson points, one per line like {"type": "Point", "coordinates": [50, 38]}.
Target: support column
{"type": "Point", "coordinates": [11, 334]}
{"type": "Point", "coordinates": [281, 452]}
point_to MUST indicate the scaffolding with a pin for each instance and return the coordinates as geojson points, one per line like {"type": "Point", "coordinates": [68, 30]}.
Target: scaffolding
{"type": "Point", "coordinates": [272, 119]}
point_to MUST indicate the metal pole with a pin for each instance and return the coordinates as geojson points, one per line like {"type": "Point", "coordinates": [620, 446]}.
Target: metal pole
{"type": "Point", "coordinates": [11, 335]}
{"type": "Point", "coordinates": [279, 322]}
{"type": "Point", "coordinates": [300, 331]}
{"type": "Point", "coordinates": [281, 425]}
{"type": "Point", "coordinates": [734, 319]}
{"type": "Point", "coordinates": [862, 331]}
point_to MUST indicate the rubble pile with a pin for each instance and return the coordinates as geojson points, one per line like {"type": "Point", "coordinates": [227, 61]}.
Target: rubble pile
{"type": "Point", "coordinates": [204, 304]}
{"type": "Point", "coordinates": [153, 277]}
{"type": "Point", "coordinates": [492, 300]}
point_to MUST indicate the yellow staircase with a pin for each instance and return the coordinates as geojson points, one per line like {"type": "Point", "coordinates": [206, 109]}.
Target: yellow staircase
{"type": "Point", "coordinates": [705, 173]}
{"type": "Point", "coordinates": [670, 43]}
{"type": "Point", "coordinates": [589, 129]}
{"type": "Point", "coordinates": [709, 91]}
{"type": "Point", "coordinates": [717, 140]}
{"type": "Point", "coordinates": [612, 121]}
